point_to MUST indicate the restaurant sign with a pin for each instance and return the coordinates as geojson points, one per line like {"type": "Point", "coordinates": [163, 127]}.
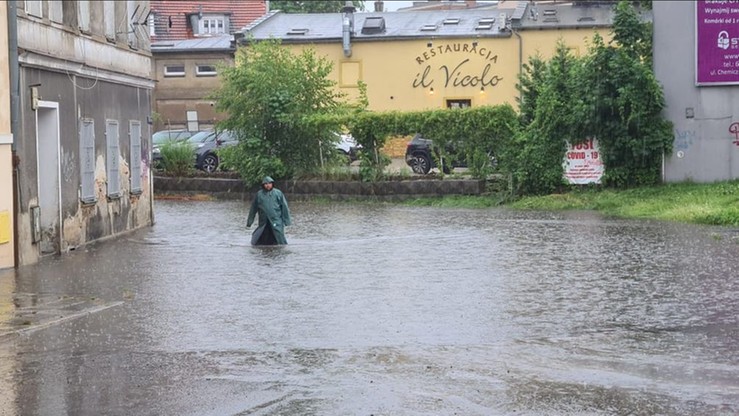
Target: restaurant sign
{"type": "Point", "coordinates": [453, 65]}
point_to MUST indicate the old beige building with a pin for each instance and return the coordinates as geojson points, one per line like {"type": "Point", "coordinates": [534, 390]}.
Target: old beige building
{"type": "Point", "coordinates": [186, 72]}
{"type": "Point", "coordinates": [82, 139]}
{"type": "Point", "coordinates": [7, 249]}
{"type": "Point", "coordinates": [449, 58]}
{"type": "Point", "coordinates": [191, 40]}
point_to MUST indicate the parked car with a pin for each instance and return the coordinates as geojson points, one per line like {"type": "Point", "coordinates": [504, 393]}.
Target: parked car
{"type": "Point", "coordinates": [348, 146]}
{"type": "Point", "coordinates": [206, 144]}
{"type": "Point", "coordinates": [167, 136]}
{"type": "Point", "coordinates": [420, 159]}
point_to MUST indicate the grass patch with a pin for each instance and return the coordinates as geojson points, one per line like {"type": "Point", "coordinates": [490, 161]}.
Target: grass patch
{"type": "Point", "coordinates": [712, 204]}
{"type": "Point", "coordinates": [455, 201]}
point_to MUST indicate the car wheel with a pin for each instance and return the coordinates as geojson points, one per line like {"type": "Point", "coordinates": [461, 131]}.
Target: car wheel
{"type": "Point", "coordinates": [420, 164]}
{"type": "Point", "coordinates": [210, 163]}
{"type": "Point", "coordinates": [347, 157]}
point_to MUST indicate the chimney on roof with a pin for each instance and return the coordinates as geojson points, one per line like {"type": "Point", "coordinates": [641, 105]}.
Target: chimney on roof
{"type": "Point", "coordinates": [379, 6]}
{"type": "Point", "coordinates": [347, 27]}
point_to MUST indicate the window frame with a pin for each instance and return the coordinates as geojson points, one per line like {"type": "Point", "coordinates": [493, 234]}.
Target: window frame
{"type": "Point", "coordinates": [216, 19]}
{"type": "Point", "coordinates": [109, 19]}
{"type": "Point", "coordinates": [457, 103]}
{"type": "Point", "coordinates": [134, 162]}
{"type": "Point", "coordinates": [173, 74]}
{"type": "Point", "coordinates": [83, 15]}
{"type": "Point", "coordinates": [151, 21]}
{"type": "Point", "coordinates": [200, 73]}
{"type": "Point", "coordinates": [87, 161]}
{"type": "Point", "coordinates": [34, 8]}
{"type": "Point", "coordinates": [56, 11]}
{"type": "Point", "coordinates": [112, 159]}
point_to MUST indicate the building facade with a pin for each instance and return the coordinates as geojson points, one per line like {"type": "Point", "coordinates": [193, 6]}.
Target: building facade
{"type": "Point", "coordinates": [191, 40]}
{"type": "Point", "coordinates": [83, 137]}
{"type": "Point", "coordinates": [419, 60]}
{"type": "Point", "coordinates": [7, 228]}
{"type": "Point", "coordinates": [697, 63]}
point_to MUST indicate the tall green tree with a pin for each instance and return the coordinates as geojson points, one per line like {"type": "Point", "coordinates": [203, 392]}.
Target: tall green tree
{"type": "Point", "coordinates": [535, 156]}
{"type": "Point", "coordinates": [620, 102]}
{"type": "Point", "coordinates": [611, 93]}
{"type": "Point", "coordinates": [268, 96]}
{"type": "Point", "coordinates": [529, 86]}
{"type": "Point", "coordinates": [312, 6]}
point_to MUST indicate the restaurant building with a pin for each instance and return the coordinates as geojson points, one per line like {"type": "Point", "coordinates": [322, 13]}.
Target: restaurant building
{"type": "Point", "coordinates": [454, 58]}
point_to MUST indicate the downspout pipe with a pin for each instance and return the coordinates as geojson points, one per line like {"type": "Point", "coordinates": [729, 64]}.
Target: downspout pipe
{"type": "Point", "coordinates": [520, 59]}
{"type": "Point", "coordinates": [14, 75]}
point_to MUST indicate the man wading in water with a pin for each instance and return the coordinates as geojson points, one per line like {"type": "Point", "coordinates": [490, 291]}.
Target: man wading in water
{"type": "Point", "coordinates": [274, 215]}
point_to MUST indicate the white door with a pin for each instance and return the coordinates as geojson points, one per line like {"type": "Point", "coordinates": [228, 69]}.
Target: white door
{"type": "Point", "coordinates": [49, 187]}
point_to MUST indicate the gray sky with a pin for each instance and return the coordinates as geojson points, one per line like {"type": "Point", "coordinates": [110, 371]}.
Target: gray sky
{"type": "Point", "coordinates": [393, 5]}
{"type": "Point", "coordinates": [390, 6]}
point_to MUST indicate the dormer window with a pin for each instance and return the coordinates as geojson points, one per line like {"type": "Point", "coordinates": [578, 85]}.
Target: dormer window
{"type": "Point", "coordinates": [210, 24]}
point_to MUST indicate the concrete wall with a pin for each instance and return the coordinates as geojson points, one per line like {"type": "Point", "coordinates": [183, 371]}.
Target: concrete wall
{"type": "Point", "coordinates": [7, 252]}
{"type": "Point", "coordinates": [389, 190]}
{"type": "Point", "coordinates": [704, 149]}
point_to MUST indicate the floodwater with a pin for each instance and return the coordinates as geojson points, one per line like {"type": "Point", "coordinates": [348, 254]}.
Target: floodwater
{"type": "Point", "coordinates": [377, 309]}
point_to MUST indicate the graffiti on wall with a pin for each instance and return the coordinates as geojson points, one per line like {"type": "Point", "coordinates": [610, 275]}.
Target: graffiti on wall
{"type": "Point", "coordinates": [734, 129]}
{"type": "Point", "coordinates": [683, 140]}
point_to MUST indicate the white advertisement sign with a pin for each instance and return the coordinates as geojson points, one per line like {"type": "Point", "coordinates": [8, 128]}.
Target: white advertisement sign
{"type": "Point", "coordinates": [582, 163]}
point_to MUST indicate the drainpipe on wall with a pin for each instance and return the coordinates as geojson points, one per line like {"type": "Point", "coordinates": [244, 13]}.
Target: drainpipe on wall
{"type": "Point", "coordinates": [520, 59]}
{"type": "Point", "coordinates": [347, 27]}
{"type": "Point", "coordinates": [14, 114]}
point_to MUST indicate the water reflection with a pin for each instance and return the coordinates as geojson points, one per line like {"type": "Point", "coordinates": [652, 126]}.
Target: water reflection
{"type": "Point", "coordinates": [382, 309]}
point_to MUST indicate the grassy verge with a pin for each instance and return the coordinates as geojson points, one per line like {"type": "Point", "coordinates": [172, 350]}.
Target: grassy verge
{"type": "Point", "coordinates": [713, 204]}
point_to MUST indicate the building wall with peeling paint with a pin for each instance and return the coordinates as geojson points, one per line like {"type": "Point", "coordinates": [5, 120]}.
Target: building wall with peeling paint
{"type": "Point", "coordinates": [70, 78]}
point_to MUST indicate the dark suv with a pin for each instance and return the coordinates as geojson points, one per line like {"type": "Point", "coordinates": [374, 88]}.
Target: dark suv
{"type": "Point", "coordinates": [206, 145]}
{"type": "Point", "coordinates": [418, 156]}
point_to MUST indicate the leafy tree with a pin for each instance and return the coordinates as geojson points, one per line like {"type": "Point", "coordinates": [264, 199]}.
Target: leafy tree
{"type": "Point", "coordinates": [538, 160]}
{"type": "Point", "coordinates": [529, 87]}
{"type": "Point", "coordinates": [611, 93]}
{"type": "Point", "coordinates": [631, 34]}
{"type": "Point", "coordinates": [313, 6]}
{"type": "Point", "coordinates": [621, 103]}
{"type": "Point", "coordinates": [268, 95]}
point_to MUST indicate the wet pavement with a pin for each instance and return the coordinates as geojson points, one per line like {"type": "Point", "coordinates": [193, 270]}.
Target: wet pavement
{"type": "Point", "coordinates": [378, 310]}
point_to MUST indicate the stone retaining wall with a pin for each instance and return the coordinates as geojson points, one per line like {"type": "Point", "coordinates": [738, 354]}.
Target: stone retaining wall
{"type": "Point", "coordinates": [391, 190]}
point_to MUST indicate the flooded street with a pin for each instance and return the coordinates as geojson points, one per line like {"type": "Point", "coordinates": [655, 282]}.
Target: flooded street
{"type": "Point", "coordinates": [377, 309]}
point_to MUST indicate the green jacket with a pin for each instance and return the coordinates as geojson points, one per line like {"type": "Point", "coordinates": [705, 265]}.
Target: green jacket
{"type": "Point", "coordinates": [272, 208]}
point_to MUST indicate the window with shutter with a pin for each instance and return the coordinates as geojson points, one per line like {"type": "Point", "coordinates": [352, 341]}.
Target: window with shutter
{"type": "Point", "coordinates": [112, 163]}
{"type": "Point", "coordinates": [135, 158]}
{"type": "Point", "coordinates": [109, 19]}
{"type": "Point", "coordinates": [83, 16]}
{"type": "Point", "coordinates": [87, 161]}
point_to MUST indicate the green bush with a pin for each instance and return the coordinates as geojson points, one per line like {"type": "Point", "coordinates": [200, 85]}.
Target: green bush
{"type": "Point", "coordinates": [178, 158]}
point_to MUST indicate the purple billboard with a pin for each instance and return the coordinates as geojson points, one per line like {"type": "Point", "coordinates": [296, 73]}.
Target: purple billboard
{"type": "Point", "coordinates": [717, 42]}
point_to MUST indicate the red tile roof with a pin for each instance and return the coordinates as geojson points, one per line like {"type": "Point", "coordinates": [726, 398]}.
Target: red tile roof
{"type": "Point", "coordinates": [171, 16]}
